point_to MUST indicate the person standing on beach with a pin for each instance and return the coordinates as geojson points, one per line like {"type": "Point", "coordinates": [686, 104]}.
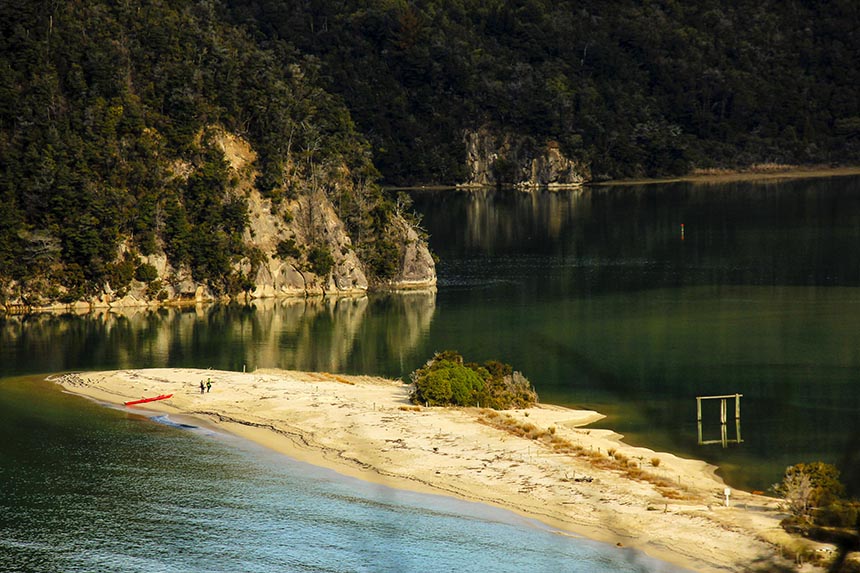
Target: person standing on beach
{"type": "Point", "coordinates": [201, 386]}
{"type": "Point", "coordinates": [208, 384]}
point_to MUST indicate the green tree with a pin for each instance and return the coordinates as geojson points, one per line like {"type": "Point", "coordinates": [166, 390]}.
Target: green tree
{"type": "Point", "coordinates": [320, 260]}
{"type": "Point", "coordinates": [177, 233]}
{"type": "Point", "coordinates": [145, 273]}
{"type": "Point", "coordinates": [10, 243]}
{"type": "Point", "coordinates": [288, 249]}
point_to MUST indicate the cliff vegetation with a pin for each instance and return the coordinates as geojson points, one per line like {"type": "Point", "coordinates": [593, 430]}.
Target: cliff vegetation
{"type": "Point", "coordinates": [159, 150]}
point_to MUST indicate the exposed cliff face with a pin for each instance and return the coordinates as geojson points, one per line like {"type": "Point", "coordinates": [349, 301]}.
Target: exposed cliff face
{"type": "Point", "coordinates": [495, 158]}
{"type": "Point", "coordinates": [314, 222]}
{"type": "Point", "coordinates": [417, 269]}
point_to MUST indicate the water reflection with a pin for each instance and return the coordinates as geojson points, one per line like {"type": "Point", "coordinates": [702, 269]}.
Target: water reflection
{"type": "Point", "coordinates": [596, 297]}
{"type": "Point", "coordinates": [323, 334]}
{"type": "Point", "coordinates": [801, 232]}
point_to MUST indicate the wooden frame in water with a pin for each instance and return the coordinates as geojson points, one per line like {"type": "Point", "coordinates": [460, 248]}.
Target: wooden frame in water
{"type": "Point", "coordinates": [724, 439]}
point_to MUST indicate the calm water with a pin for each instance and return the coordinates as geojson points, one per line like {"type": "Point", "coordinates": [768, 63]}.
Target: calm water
{"type": "Point", "coordinates": [595, 295]}
{"type": "Point", "coordinates": [603, 302]}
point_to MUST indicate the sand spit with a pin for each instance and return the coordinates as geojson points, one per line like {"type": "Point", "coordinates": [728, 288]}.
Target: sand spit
{"type": "Point", "coordinates": [579, 480]}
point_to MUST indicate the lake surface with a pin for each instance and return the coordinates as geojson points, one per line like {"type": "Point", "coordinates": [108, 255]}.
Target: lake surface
{"type": "Point", "coordinates": [604, 302]}
{"type": "Point", "coordinates": [596, 295]}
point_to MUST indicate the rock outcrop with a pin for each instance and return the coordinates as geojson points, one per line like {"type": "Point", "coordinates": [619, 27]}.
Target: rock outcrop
{"type": "Point", "coordinates": [499, 158]}
{"type": "Point", "coordinates": [313, 221]}
{"type": "Point", "coordinates": [417, 269]}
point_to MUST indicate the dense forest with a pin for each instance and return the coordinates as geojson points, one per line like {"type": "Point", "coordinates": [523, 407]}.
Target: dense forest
{"type": "Point", "coordinates": [107, 111]}
{"type": "Point", "coordinates": [107, 114]}
{"type": "Point", "coordinates": [635, 88]}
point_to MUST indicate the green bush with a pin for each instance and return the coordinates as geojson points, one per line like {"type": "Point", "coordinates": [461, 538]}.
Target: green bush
{"type": "Point", "coordinates": [320, 260]}
{"type": "Point", "coordinates": [236, 283]}
{"type": "Point", "coordinates": [69, 297]}
{"type": "Point", "coordinates": [146, 273]}
{"type": "Point", "coordinates": [120, 273]}
{"type": "Point", "coordinates": [807, 486]}
{"type": "Point", "coordinates": [447, 380]}
{"type": "Point", "coordinates": [448, 383]}
{"type": "Point", "coordinates": [288, 249]}
{"type": "Point", "coordinates": [382, 258]}
{"type": "Point", "coordinates": [154, 288]}
{"type": "Point", "coordinates": [504, 170]}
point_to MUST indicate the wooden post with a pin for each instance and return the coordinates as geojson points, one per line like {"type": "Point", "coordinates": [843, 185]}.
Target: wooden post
{"type": "Point", "coordinates": [724, 414]}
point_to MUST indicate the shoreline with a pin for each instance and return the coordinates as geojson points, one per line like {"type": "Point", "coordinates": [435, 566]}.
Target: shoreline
{"type": "Point", "coordinates": [755, 174]}
{"type": "Point", "coordinates": [596, 487]}
{"type": "Point", "coordinates": [718, 176]}
{"type": "Point", "coordinates": [743, 175]}
{"type": "Point", "coordinates": [84, 307]}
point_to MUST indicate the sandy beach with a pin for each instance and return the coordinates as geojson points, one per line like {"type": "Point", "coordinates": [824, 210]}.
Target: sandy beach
{"type": "Point", "coordinates": [543, 462]}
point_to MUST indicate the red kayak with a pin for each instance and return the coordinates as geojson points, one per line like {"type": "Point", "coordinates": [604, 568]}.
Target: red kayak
{"type": "Point", "coordinates": [144, 400]}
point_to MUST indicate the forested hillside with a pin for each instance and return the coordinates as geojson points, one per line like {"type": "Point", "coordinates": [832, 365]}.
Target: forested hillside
{"type": "Point", "coordinates": [113, 118]}
{"type": "Point", "coordinates": [632, 88]}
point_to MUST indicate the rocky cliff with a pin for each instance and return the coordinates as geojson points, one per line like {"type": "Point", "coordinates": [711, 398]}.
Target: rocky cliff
{"type": "Point", "coordinates": [499, 158]}
{"type": "Point", "coordinates": [312, 219]}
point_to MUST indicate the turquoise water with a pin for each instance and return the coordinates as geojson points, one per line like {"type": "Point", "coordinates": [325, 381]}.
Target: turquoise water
{"type": "Point", "coordinates": [87, 488]}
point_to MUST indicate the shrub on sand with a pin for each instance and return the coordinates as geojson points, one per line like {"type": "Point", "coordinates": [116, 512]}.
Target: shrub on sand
{"type": "Point", "coordinates": [446, 380]}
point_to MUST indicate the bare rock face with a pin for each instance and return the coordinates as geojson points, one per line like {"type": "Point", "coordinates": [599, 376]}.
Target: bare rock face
{"type": "Point", "coordinates": [417, 267]}
{"type": "Point", "coordinates": [316, 223]}
{"type": "Point", "coordinates": [312, 224]}
{"type": "Point", "coordinates": [507, 159]}
{"type": "Point", "coordinates": [307, 222]}
{"type": "Point", "coordinates": [278, 279]}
